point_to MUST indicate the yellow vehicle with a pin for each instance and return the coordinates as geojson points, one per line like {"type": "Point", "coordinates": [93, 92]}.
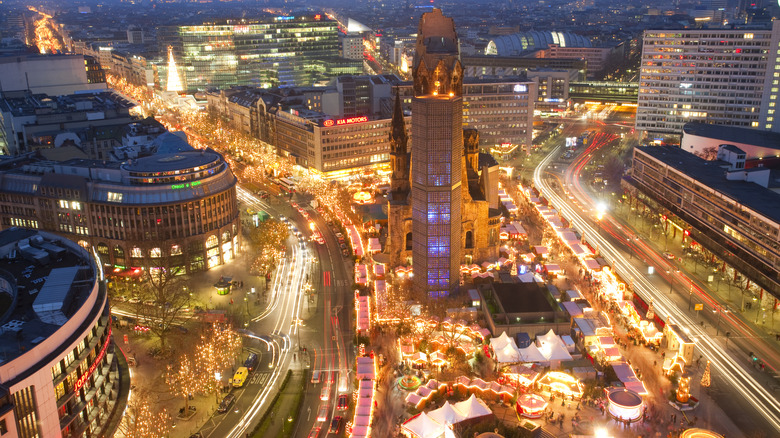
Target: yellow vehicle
{"type": "Point", "coordinates": [240, 377]}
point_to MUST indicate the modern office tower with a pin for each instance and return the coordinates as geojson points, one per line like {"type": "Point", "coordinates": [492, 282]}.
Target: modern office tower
{"type": "Point", "coordinates": [714, 75]}
{"type": "Point", "coordinates": [439, 216]}
{"type": "Point", "coordinates": [278, 51]}
{"type": "Point", "coordinates": [772, 81]}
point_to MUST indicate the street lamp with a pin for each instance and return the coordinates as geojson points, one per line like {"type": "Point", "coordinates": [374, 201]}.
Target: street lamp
{"type": "Point", "coordinates": [218, 380]}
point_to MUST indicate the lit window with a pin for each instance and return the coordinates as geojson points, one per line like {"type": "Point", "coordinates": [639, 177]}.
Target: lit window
{"type": "Point", "coordinates": [176, 250]}
{"type": "Point", "coordinates": [76, 205]}
{"type": "Point", "coordinates": [155, 253]}
{"type": "Point", "coordinates": [136, 252]}
{"type": "Point", "coordinates": [115, 197]}
{"type": "Point", "coordinates": [64, 203]}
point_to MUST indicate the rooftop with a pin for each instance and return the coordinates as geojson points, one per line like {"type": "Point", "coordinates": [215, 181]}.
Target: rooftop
{"type": "Point", "coordinates": [733, 134]}
{"type": "Point", "coordinates": [713, 174]}
{"type": "Point", "coordinates": [522, 297]}
{"type": "Point", "coordinates": [47, 279]}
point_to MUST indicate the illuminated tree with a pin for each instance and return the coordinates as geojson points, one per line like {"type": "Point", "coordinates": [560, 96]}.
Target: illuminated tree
{"type": "Point", "coordinates": [217, 349]}
{"type": "Point", "coordinates": [143, 421]}
{"type": "Point", "coordinates": [705, 378]}
{"type": "Point", "coordinates": [268, 238]}
{"type": "Point", "coordinates": [186, 379]}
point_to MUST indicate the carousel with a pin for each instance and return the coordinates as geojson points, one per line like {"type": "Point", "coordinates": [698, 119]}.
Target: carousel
{"type": "Point", "coordinates": [559, 383]}
{"type": "Point", "coordinates": [530, 406]}
{"type": "Point", "coordinates": [624, 404]}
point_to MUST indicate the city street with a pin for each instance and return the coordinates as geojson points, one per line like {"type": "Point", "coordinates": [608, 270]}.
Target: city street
{"type": "Point", "coordinates": [730, 364]}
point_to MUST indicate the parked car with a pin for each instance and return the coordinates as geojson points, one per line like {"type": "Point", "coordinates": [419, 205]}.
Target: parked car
{"type": "Point", "coordinates": [226, 402]}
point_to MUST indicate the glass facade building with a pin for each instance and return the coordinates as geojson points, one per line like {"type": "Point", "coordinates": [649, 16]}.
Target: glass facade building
{"type": "Point", "coordinates": [277, 51]}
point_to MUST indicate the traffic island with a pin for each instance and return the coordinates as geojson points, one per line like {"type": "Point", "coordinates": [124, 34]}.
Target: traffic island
{"type": "Point", "coordinates": [282, 414]}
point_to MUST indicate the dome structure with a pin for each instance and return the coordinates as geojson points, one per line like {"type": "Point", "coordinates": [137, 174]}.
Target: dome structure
{"type": "Point", "coordinates": [519, 43]}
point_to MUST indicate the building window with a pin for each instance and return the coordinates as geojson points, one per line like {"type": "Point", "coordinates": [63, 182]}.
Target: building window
{"type": "Point", "coordinates": [115, 197]}
{"type": "Point", "coordinates": [176, 250]}
{"type": "Point", "coordinates": [155, 253]}
{"type": "Point", "coordinates": [64, 203]}
{"type": "Point", "coordinates": [136, 252]}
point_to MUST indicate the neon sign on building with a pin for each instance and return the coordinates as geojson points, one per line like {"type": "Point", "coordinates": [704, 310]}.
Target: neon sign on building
{"type": "Point", "coordinates": [83, 379]}
{"type": "Point", "coordinates": [348, 121]}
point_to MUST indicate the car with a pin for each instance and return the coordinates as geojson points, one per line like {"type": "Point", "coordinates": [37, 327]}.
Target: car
{"type": "Point", "coordinates": [343, 402]}
{"type": "Point", "coordinates": [335, 425]}
{"type": "Point", "coordinates": [325, 393]}
{"type": "Point", "coordinates": [315, 432]}
{"type": "Point", "coordinates": [226, 402]}
{"type": "Point", "coordinates": [196, 435]}
{"type": "Point", "coordinates": [134, 300]}
{"type": "Point", "coordinates": [322, 413]}
{"type": "Point", "coordinates": [669, 255]}
{"type": "Point", "coordinates": [294, 204]}
{"type": "Point", "coordinates": [315, 376]}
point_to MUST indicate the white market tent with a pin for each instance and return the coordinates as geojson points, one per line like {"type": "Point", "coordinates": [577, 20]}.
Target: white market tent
{"type": "Point", "coordinates": [505, 349]}
{"type": "Point", "coordinates": [447, 414]}
{"type": "Point", "coordinates": [532, 354]}
{"type": "Point", "coordinates": [553, 349]}
{"type": "Point", "coordinates": [473, 408]}
{"type": "Point", "coordinates": [422, 426]}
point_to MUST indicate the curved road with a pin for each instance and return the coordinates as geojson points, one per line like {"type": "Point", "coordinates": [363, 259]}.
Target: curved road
{"type": "Point", "coordinates": [723, 362]}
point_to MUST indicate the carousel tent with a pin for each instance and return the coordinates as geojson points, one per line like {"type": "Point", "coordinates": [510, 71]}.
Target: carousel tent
{"type": "Point", "coordinates": [473, 408]}
{"type": "Point", "coordinates": [447, 415]}
{"type": "Point", "coordinates": [423, 426]}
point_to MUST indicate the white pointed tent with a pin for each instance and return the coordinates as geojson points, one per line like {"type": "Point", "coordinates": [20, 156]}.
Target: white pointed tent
{"type": "Point", "coordinates": [422, 426]}
{"type": "Point", "coordinates": [553, 349]}
{"type": "Point", "coordinates": [531, 354]}
{"type": "Point", "coordinates": [505, 348]}
{"type": "Point", "coordinates": [473, 408]}
{"type": "Point", "coordinates": [446, 415]}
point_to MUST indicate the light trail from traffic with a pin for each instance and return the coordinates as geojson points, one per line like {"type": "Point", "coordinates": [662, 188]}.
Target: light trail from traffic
{"type": "Point", "coordinates": [738, 377]}
{"type": "Point", "coordinates": [288, 285]}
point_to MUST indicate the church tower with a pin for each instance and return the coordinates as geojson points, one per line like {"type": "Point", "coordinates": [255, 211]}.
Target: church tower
{"type": "Point", "coordinates": [437, 148]}
{"type": "Point", "coordinates": [399, 154]}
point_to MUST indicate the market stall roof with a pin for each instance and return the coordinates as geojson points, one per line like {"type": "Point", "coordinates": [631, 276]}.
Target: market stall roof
{"type": "Point", "coordinates": [379, 269]}
{"type": "Point", "coordinates": [592, 264]}
{"type": "Point", "coordinates": [552, 268]}
{"type": "Point", "coordinates": [541, 250]}
{"type": "Point", "coordinates": [374, 245]}
{"type": "Point", "coordinates": [606, 341]}
{"type": "Point", "coordinates": [365, 368]}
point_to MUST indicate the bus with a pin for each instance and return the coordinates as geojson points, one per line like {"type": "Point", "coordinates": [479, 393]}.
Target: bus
{"type": "Point", "coordinates": [287, 184]}
{"type": "Point", "coordinates": [240, 377]}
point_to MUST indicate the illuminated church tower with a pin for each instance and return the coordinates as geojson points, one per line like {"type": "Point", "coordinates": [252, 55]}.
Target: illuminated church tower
{"type": "Point", "coordinates": [437, 149]}
{"type": "Point", "coordinates": [439, 215]}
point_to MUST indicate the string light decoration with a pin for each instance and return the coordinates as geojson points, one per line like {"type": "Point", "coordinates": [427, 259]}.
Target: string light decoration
{"type": "Point", "coordinates": [706, 379]}
{"type": "Point", "coordinates": [186, 380]}
{"type": "Point", "coordinates": [174, 81]}
{"type": "Point", "coordinates": [141, 421]}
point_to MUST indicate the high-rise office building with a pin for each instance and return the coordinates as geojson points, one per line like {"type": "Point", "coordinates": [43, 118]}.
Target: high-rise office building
{"type": "Point", "coordinates": [278, 51]}
{"type": "Point", "coordinates": [715, 75]}
{"type": "Point", "coordinates": [438, 212]}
